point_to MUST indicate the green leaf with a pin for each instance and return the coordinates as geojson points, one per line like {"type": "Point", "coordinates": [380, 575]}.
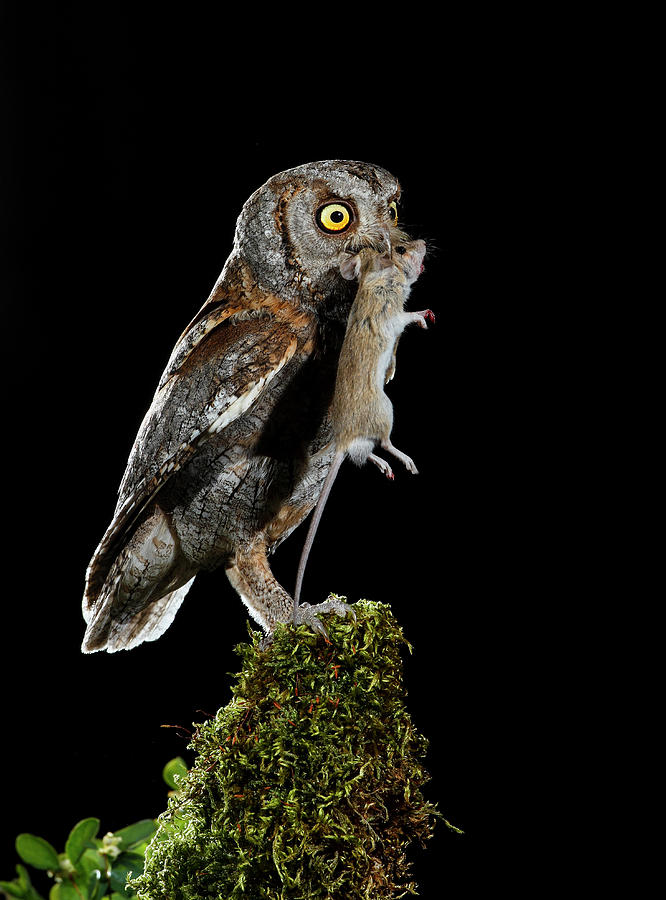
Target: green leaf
{"type": "Point", "coordinates": [95, 887]}
{"type": "Point", "coordinates": [175, 767]}
{"type": "Point", "coordinates": [89, 861]}
{"type": "Point", "coordinates": [37, 852]}
{"type": "Point", "coordinates": [12, 888]}
{"type": "Point", "coordinates": [133, 862]}
{"type": "Point", "coordinates": [23, 876]}
{"type": "Point", "coordinates": [20, 887]}
{"type": "Point", "coordinates": [134, 834]}
{"type": "Point", "coordinates": [65, 890]}
{"type": "Point", "coordinates": [80, 839]}
{"type": "Point", "coordinates": [126, 863]}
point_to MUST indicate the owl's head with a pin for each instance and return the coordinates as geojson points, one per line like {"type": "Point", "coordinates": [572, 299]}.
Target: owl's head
{"type": "Point", "coordinates": [295, 229]}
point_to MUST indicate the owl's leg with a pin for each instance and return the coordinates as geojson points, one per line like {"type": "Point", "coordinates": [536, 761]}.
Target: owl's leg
{"type": "Point", "coordinates": [266, 599]}
{"type": "Point", "coordinates": [251, 577]}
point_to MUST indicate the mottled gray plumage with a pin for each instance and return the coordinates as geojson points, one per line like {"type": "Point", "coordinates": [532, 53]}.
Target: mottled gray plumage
{"type": "Point", "coordinates": [235, 446]}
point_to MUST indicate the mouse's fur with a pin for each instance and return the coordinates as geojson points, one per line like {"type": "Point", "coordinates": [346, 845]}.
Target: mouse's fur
{"type": "Point", "coordinates": [361, 413]}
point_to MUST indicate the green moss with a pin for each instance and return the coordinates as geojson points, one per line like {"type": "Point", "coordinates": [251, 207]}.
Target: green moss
{"type": "Point", "coordinates": [308, 783]}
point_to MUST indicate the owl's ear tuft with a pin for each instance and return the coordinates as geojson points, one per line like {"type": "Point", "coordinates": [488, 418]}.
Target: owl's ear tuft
{"type": "Point", "coordinates": [350, 267]}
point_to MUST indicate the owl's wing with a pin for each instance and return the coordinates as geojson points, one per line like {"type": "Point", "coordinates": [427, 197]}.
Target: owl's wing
{"type": "Point", "coordinates": [212, 378]}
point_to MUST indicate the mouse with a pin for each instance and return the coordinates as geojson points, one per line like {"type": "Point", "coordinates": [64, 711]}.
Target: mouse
{"type": "Point", "coordinates": [361, 412]}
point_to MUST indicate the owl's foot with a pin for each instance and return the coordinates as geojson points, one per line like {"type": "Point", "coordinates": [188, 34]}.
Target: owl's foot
{"type": "Point", "coordinates": [309, 615]}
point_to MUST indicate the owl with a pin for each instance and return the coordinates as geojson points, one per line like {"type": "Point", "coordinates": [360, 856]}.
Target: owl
{"type": "Point", "coordinates": [233, 451]}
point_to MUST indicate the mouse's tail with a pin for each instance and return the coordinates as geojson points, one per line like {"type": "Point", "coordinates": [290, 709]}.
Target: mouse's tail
{"type": "Point", "coordinates": [314, 523]}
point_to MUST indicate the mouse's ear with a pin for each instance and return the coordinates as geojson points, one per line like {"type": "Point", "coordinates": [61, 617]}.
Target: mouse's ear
{"type": "Point", "coordinates": [350, 267]}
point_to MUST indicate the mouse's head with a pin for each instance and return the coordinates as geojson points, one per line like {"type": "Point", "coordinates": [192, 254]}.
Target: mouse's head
{"type": "Point", "coordinates": [406, 257]}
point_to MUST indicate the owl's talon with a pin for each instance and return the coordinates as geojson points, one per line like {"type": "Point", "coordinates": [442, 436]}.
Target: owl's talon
{"type": "Point", "coordinates": [309, 615]}
{"type": "Point", "coordinates": [266, 641]}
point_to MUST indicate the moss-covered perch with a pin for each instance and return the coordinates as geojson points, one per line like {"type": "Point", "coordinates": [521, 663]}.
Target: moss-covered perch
{"type": "Point", "coordinates": [307, 786]}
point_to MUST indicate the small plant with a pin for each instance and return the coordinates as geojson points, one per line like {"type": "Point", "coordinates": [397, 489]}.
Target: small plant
{"type": "Point", "coordinates": [90, 867]}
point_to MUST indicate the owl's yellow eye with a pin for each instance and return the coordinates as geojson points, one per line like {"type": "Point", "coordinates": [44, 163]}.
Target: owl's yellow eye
{"type": "Point", "coordinates": [334, 217]}
{"type": "Point", "coordinates": [393, 211]}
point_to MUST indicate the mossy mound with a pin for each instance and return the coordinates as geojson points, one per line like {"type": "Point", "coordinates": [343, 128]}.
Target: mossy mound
{"type": "Point", "coordinates": [307, 785]}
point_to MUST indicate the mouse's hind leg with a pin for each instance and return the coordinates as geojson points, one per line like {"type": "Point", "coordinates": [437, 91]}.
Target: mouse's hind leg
{"type": "Point", "coordinates": [407, 461]}
{"type": "Point", "coordinates": [381, 464]}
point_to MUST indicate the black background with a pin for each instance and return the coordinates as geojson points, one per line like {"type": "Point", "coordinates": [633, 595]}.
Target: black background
{"type": "Point", "coordinates": [134, 143]}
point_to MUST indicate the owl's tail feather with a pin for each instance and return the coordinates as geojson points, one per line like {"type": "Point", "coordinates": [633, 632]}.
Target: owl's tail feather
{"type": "Point", "coordinates": [140, 592]}
{"type": "Point", "coordinates": [107, 630]}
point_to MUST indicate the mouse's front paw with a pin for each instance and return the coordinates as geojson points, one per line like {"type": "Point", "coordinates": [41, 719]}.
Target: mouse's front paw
{"type": "Point", "coordinates": [309, 615]}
